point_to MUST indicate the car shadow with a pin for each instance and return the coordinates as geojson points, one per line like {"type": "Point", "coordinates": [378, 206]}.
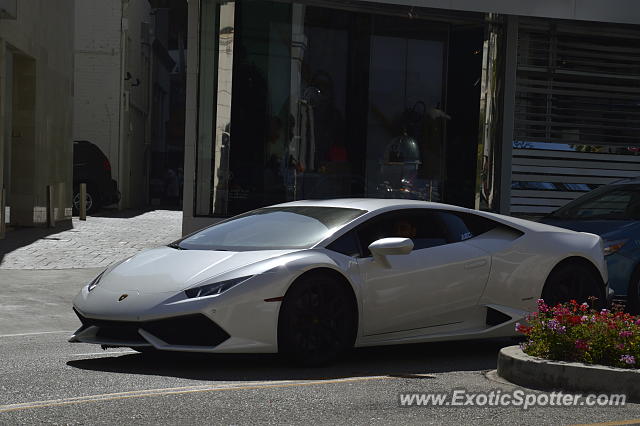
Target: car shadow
{"type": "Point", "coordinates": [415, 360]}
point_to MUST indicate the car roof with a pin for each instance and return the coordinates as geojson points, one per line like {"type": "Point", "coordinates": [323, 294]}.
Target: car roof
{"type": "Point", "coordinates": [370, 204]}
{"type": "Point", "coordinates": [388, 204]}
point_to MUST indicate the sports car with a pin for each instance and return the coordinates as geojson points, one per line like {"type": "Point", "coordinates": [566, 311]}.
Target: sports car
{"type": "Point", "coordinates": [311, 279]}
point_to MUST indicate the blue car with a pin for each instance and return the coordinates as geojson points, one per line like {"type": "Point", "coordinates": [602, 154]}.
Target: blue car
{"type": "Point", "coordinates": [613, 212]}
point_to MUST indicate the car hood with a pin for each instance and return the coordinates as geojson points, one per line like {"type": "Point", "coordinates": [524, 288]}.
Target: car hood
{"type": "Point", "coordinates": [608, 229]}
{"type": "Point", "coordinates": [165, 269]}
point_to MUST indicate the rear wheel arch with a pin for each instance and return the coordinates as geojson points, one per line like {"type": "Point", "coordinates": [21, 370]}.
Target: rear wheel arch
{"type": "Point", "coordinates": [581, 262]}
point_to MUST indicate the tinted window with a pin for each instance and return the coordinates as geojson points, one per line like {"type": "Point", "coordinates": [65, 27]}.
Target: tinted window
{"type": "Point", "coordinates": [477, 225]}
{"type": "Point", "coordinates": [347, 245]}
{"type": "Point", "coordinates": [272, 228]}
{"type": "Point", "coordinates": [456, 229]}
{"type": "Point", "coordinates": [621, 202]}
{"type": "Point", "coordinates": [424, 228]}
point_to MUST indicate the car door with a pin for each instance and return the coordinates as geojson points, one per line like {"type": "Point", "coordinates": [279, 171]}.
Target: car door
{"type": "Point", "coordinates": [438, 283]}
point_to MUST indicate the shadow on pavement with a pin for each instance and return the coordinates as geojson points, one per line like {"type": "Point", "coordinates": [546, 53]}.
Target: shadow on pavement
{"type": "Point", "coordinates": [21, 237]}
{"type": "Point", "coordinates": [130, 213]}
{"type": "Point", "coordinates": [402, 360]}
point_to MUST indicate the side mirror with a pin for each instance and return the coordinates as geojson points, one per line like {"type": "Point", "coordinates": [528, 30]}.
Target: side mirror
{"type": "Point", "coordinates": [384, 247]}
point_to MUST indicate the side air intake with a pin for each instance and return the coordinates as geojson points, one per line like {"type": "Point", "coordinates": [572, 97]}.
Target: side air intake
{"type": "Point", "coordinates": [495, 317]}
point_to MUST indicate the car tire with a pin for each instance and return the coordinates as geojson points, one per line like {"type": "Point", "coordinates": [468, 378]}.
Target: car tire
{"type": "Point", "coordinates": [318, 320]}
{"type": "Point", "coordinates": [573, 281]}
{"type": "Point", "coordinates": [92, 202]}
{"type": "Point", "coordinates": [633, 293]}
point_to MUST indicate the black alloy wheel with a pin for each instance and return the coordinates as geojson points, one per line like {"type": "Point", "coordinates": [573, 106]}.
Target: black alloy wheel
{"type": "Point", "coordinates": [91, 204]}
{"type": "Point", "coordinates": [318, 320]}
{"type": "Point", "coordinates": [573, 281]}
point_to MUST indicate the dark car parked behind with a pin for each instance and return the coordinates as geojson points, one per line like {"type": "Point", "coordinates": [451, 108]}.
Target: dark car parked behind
{"type": "Point", "coordinates": [92, 167]}
{"type": "Point", "coordinates": [613, 212]}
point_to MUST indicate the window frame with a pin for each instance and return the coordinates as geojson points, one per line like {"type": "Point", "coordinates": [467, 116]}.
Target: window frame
{"type": "Point", "coordinates": [363, 252]}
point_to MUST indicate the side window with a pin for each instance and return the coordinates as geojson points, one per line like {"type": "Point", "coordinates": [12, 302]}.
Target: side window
{"type": "Point", "coordinates": [456, 229]}
{"type": "Point", "coordinates": [478, 225]}
{"type": "Point", "coordinates": [425, 228]}
{"type": "Point", "coordinates": [347, 245]}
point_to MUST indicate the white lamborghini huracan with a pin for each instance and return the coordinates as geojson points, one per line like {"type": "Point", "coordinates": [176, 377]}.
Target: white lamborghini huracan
{"type": "Point", "coordinates": [310, 279]}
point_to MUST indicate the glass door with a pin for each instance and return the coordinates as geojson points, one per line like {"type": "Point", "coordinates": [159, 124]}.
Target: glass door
{"type": "Point", "coordinates": [406, 123]}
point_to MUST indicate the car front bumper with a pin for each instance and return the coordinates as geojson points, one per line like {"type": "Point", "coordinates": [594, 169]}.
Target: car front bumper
{"type": "Point", "coordinates": [620, 268]}
{"type": "Point", "coordinates": [238, 321]}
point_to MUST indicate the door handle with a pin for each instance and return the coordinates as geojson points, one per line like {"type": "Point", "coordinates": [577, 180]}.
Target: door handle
{"type": "Point", "coordinates": [476, 264]}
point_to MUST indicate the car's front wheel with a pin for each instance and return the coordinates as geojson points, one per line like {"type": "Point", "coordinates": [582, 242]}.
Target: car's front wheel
{"type": "Point", "coordinates": [573, 281]}
{"type": "Point", "coordinates": [318, 320]}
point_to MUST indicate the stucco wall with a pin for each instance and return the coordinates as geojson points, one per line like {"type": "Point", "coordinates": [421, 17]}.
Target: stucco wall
{"type": "Point", "coordinates": [42, 143]}
{"type": "Point", "coordinates": [112, 106]}
{"type": "Point", "coordinates": [97, 75]}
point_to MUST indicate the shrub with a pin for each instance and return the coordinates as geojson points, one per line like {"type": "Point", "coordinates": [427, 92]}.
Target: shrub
{"type": "Point", "coordinates": [576, 332]}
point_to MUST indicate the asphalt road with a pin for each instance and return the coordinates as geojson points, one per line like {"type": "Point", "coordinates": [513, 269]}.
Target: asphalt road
{"type": "Point", "coordinates": [44, 379]}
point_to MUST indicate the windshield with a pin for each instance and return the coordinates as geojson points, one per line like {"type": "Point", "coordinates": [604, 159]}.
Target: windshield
{"type": "Point", "coordinates": [615, 202]}
{"type": "Point", "coordinates": [271, 229]}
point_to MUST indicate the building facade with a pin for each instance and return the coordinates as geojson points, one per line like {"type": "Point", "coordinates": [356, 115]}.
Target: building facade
{"type": "Point", "coordinates": [122, 87]}
{"type": "Point", "coordinates": [511, 106]}
{"type": "Point", "coordinates": [36, 111]}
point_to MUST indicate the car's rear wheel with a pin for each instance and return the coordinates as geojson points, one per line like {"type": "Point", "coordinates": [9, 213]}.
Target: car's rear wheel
{"type": "Point", "coordinates": [573, 281]}
{"type": "Point", "coordinates": [318, 320]}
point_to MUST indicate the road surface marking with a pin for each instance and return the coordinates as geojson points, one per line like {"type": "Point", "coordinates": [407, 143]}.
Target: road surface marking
{"type": "Point", "coordinates": [612, 423]}
{"type": "Point", "coordinates": [106, 353]}
{"type": "Point", "coordinates": [36, 333]}
{"type": "Point", "coordinates": [176, 391]}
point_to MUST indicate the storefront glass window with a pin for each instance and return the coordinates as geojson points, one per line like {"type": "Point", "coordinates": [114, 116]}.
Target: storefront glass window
{"type": "Point", "coordinates": [328, 103]}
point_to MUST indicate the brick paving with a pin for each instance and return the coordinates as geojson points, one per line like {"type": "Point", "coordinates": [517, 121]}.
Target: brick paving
{"type": "Point", "coordinates": [96, 242]}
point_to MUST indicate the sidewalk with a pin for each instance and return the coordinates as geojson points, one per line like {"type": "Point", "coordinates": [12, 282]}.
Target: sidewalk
{"type": "Point", "coordinates": [94, 243]}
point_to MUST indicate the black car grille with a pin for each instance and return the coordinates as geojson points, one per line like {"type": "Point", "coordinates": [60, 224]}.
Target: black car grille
{"type": "Point", "coordinates": [188, 330]}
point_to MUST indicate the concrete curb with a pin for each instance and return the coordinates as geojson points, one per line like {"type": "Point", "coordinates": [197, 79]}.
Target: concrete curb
{"type": "Point", "coordinates": [537, 373]}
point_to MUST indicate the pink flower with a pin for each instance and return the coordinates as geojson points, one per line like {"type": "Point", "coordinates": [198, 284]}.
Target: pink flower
{"type": "Point", "coordinates": [626, 333]}
{"type": "Point", "coordinates": [542, 307]}
{"type": "Point", "coordinates": [628, 359]}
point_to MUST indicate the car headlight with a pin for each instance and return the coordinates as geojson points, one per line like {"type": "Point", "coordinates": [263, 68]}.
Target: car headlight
{"type": "Point", "coordinates": [611, 247]}
{"type": "Point", "coordinates": [214, 288]}
{"type": "Point", "coordinates": [110, 268]}
{"type": "Point", "coordinates": [95, 281]}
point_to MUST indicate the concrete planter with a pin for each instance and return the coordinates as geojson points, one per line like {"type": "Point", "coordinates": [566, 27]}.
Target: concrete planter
{"type": "Point", "coordinates": [537, 373]}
